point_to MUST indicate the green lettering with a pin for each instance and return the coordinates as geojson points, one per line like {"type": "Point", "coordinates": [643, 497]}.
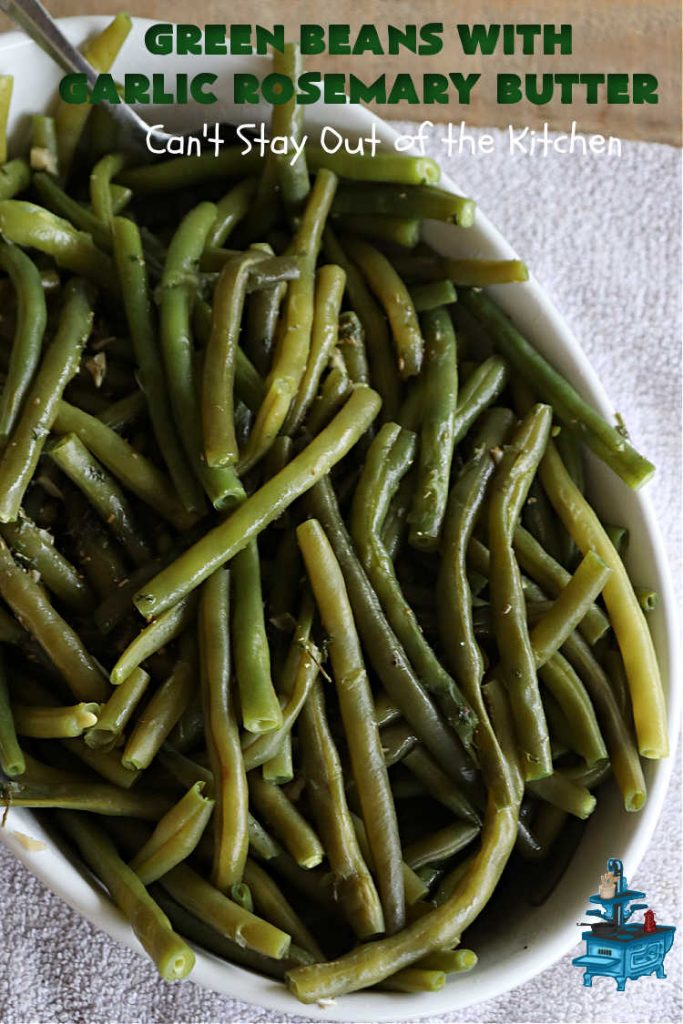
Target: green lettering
{"type": "Point", "coordinates": [478, 37]}
{"type": "Point", "coordinates": [240, 40]}
{"type": "Point", "coordinates": [277, 89]}
{"type": "Point", "coordinates": [338, 39]}
{"type": "Point", "coordinates": [245, 88]}
{"type": "Point", "coordinates": [464, 85]}
{"type": "Point", "coordinates": [508, 88]}
{"type": "Point", "coordinates": [360, 92]}
{"type": "Point", "coordinates": [592, 81]}
{"type": "Point", "coordinates": [74, 89]}
{"type": "Point", "coordinates": [188, 39]}
{"type": "Point", "coordinates": [432, 41]}
{"type": "Point", "coordinates": [159, 39]}
{"type": "Point", "coordinates": [553, 36]}
{"type": "Point", "coordinates": [537, 95]}
{"type": "Point", "coordinates": [309, 87]}
{"type": "Point", "coordinates": [312, 39]}
{"type": "Point", "coordinates": [104, 90]}
{"type": "Point", "coordinates": [403, 91]}
{"type": "Point", "coordinates": [398, 39]}
{"type": "Point", "coordinates": [334, 88]}
{"type": "Point", "coordinates": [368, 41]}
{"type": "Point", "coordinates": [617, 89]}
{"type": "Point", "coordinates": [435, 88]}
{"type": "Point", "coordinates": [274, 38]}
{"type": "Point", "coordinates": [645, 88]}
{"type": "Point", "coordinates": [214, 39]}
{"type": "Point", "coordinates": [566, 83]}
{"type": "Point", "coordinates": [199, 88]}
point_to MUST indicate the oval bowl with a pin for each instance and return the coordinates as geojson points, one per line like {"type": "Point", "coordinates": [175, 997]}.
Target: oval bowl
{"type": "Point", "coordinates": [535, 937]}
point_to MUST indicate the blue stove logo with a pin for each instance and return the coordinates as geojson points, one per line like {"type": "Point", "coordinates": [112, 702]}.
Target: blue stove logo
{"type": "Point", "coordinates": [615, 948]}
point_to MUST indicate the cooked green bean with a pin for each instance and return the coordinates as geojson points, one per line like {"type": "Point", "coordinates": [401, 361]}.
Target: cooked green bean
{"type": "Point", "coordinates": [322, 769]}
{"type": "Point", "coordinates": [172, 956]}
{"type": "Point", "coordinates": [60, 642]}
{"type": "Point", "coordinates": [79, 217]}
{"type": "Point", "coordinates": [402, 231]}
{"type": "Point", "coordinates": [153, 637]}
{"type": "Point", "coordinates": [218, 426]}
{"type": "Point", "coordinates": [415, 979]}
{"type": "Point", "coordinates": [335, 391]}
{"type": "Point", "coordinates": [567, 689]}
{"type": "Point", "coordinates": [229, 212]}
{"type": "Point", "coordinates": [124, 412]}
{"type": "Point", "coordinates": [175, 836]}
{"type": "Point", "coordinates": [103, 493]}
{"type": "Point", "coordinates": [292, 351]}
{"type": "Point", "coordinates": [262, 507]}
{"type": "Point", "coordinates": [437, 437]}
{"type": "Point", "coordinates": [648, 599]}
{"type": "Point", "coordinates": [274, 906]}
{"type": "Point", "coordinates": [15, 176]}
{"type": "Point", "coordinates": [432, 295]}
{"type": "Point", "coordinates": [385, 653]}
{"type": "Point", "coordinates": [260, 707]}
{"type": "Point", "coordinates": [36, 548]}
{"type": "Point", "coordinates": [380, 355]}
{"type": "Point", "coordinates": [565, 794]}
{"type": "Point", "coordinates": [280, 767]}
{"type": "Point", "coordinates": [132, 270]}
{"type": "Point", "coordinates": [185, 172]}
{"type": "Point", "coordinates": [106, 763]}
{"type": "Point", "coordinates": [113, 716]}
{"type": "Point", "coordinates": [626, 616]}
{"type": "Point", "coordinates": [454, 961]}
{"type": "Point", "coordinates": [362, 734]}
{"type": "Point", "coordinates": [288, 122]}
{"type": "Point", "coordinates": [396, 302]}
{"type": "Point", "coordinates": [263, 311]}
{"type": "Point", "coordinates": [569, 407]}
{"type": "Point", "coordinates": [100, 186]}
{"type": "Point", "coordinates": [12, 761]}
{"type": "Point", "coordinates": [31, 318]}
{"type": "Point", "coordinates": [231, 819]}
{"type": "Point", "coordinates": [387, 461]}
{"type": "Point", "coordinates": [510, 486]}
{"type": "Point", "coordinates": [351, 343]}
{"type": "Point", "coordinates": [136, 473]}
{"type": "Point", "coordinates": [618, 535]}
{"type": "Point", "coordinates": [58, 366]}
{"type": "Point", "coordinates": [419, 201]}
{"type": "Point", "coordinates": [329, 290]}
{"type": "Point", "coordinates": [178, 288]}
{"type": "Point", "coordinates": [572, 603]}
{"type": "Point", "coordinates": [96, 797]}
{"type": "Point", "coordinates": [6, 87]}
{"type": "Point", "coordinates": [158, 717]}
{"type": "Point", "coordinates": [54, 723]}
{"type": "Point", "coordinates": [288, 824]}
{"type": "Point", "coordinates": [440, 845]}
{"type": "Point", "coordinates": [387, 167]}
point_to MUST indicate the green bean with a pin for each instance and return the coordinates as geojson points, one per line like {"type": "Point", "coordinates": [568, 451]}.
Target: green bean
{"type": "Point", "coordinates": [280, 767]}
{"type": "Point", "coordinates": [291, 828]}
{"type": "Point", "coordinates": [263, 311]}
{"type": "Point", "coordinates": [231, 820]}
{"type": "Point", "coordinates": [396, 301]}
{"type": "Point", "coordinates": [106, 763]}
{"type": "Point", "coordinates": [572, 603]}
{"type": "Point", "coordinates": [124, 412]}
{"type": "Point", "coordinates": [241, 894]}
{"type": "Point", "coordinates": [394, 168]}
{"type": "Point", "coordinates": [152, 638]}
{"type": "Point", "coordinates": [36, 548]}
{"type": "Point", "coordinates": [441, 928]}
{"type": "Point", "coordinates": [482, 273]}
{"type": "Point", "coordinates": [440, 845]}
{"type": "Point", "coordinates": [79, 217]}
{"type": "Point", "coordinates": [188, 732]}
{"type": "Point", "coordinates": [113, 717]}
{"type": "Point", "coordinates": [322, 769]}
{"type": "Point", "coordinates": [96, 797]}
{"type": "Point", "coordinates": [174, 837]}
{"type": "Point", "coordinates": [15, 176]}
{"type": "Point", "coordinates": [380, 355]}
{"type": "Point", "coordinates": [386, 711]}
{"type": "Point", "coordinates": [186, 172]}
{"type": "Point", "coordinates": [419, 201]}
{"type": "Point", "coordinates": [385, 653]}
{"type": "Point", "coordinates": [221, 913]}
{"type": "Point", "coordinates": [262, 507]}
{"type": "Point", "coordinates": [54, 723]}
{"type": "Point", "coordinates": [28, 335]}
{"type": "Point", "coordinates": [626, 616]}
{"type": "Point", "coordinates": [565, 794]}
{"type": "Point", "coordinates": [509, 489]}
{"type": "Point", "coordinates": [437, 783]}
{"type": "Point", "coordinates": [401, 231]}
{"type": "Point", "coordinates": [288, 121]}
{"type": "Point", "coordinates": [6, 87]}
{"type": "Point", "coordinates": [12, 761]}
{"type": "Point", "coordinates": [415, 979]}
{"type": "Point", "coordinates": [613, 672]}
{"type": "Point", "coordinates": [607, 443]}
{"type": "Point", "coordinates": [120, 198]}
{"type": "Point", "coordinates": [335, 391]}
{"type": "Point", "coordinates": [178, 286]}
{"type": "Point", "coordinates": [229, 212]}
{"type": "Point", "coordinates": [387, 461]}
{"type": "Point", "coordinates": [432, 295]}
{"type": "Point", "coordinates": [135, 472]}
{"type": "Point", "coordinates": [271, 902]}
{"type": "Point", "coordinates": [553, 577]}
{"type": "Point", "coordinates": [454, 604]}
{"type": "Point", "coordinates": [351, 342]}
{"type": "Point", "coordinates": [132, 270]}
{"type": "Point", "coordinates": [100, 186]}
{"type": "Point", "coordinates": [437, 437]}
{"type": "Point", "coordinates": [329, 290]}
{"type": "Point", "coordinates": [567, 689]}
{"type": "Point", "coordinates": [260, 707]}
{"type": "Point", "coordinates": [70, 119]}
{"type": "Point", "coordinates": [60, 642]}
{"type": "Point", "coordinates": [32, 226]}
{"type": "Point", "coordinates": [618, 535]}
{"type": "Point", "coordinates": [355, 701]}
{"type": "Point", "coordinates": [10, 630]}
{"type": "Point", "coordinates": [173, 958]}
{"type": "Point", "coordinates": [58, 366]}
{"type": "Point", "coordinates": [158, 717]}
{"type": "Point", "coordinates": [248, 381]}
{"type": "Point", "coordinates": [648, 599]}
{"type": "Point", "coordinates": [291, 355]}
{"type": "Point", "coordinates": [298, 676]}
{"type": "Point", "coordinates": [103, 493]}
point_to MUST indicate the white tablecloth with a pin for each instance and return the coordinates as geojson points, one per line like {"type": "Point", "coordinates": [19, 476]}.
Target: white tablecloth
{"type": "Point", "coordinates": [603, 236]}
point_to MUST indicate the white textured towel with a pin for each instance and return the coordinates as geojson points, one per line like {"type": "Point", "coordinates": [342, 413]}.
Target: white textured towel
{"type": "Point", "coordinates": [602, 234]}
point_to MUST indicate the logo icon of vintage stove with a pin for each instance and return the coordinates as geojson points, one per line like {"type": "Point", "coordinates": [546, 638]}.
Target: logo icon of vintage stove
{"type": "Point", "coordinates": [615, 948]}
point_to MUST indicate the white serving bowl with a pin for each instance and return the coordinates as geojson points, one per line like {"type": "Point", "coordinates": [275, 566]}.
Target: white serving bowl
{"type": "Point", "coordinates": [535, 938]}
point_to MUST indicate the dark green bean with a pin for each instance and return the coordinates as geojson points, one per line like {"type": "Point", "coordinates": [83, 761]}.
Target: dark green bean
{"type": "Point", "coordinates": [432, 295]}
{"type": "Point", "coordinates": [158, 717]}
{"type": "Point", "coordinates": [288, 824]}
{"type": "Point", "coordinates": [31, 318]}
{"type": "Point", "coordinates": [12, 760]}
{"type": "Point", "coordinates": [419, 201]}
{"type": "Point", "coordinates": [15, 176]}
{"type": "Point", "coordinates": [440, 845]}
{"type": "Point", "coordinates": [186, 172]}
{"type": "Point", "coordinates": [36, 548]}
{"type": "Point", "coordinates": [152, 638]}
{"type": "Point", "coordinates": [229, 212]}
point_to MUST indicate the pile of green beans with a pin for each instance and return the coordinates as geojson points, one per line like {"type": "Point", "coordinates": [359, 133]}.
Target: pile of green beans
{"type": "Point", "coordinates": [308, 631]}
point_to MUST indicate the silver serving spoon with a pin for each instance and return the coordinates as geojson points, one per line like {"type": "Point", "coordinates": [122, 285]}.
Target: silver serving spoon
{"type": "Point", "coordinates": [133, 132]}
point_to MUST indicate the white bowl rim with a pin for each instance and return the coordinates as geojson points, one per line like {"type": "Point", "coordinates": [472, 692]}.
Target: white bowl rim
{"type": "Point", "coordinates": [72, 885]}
